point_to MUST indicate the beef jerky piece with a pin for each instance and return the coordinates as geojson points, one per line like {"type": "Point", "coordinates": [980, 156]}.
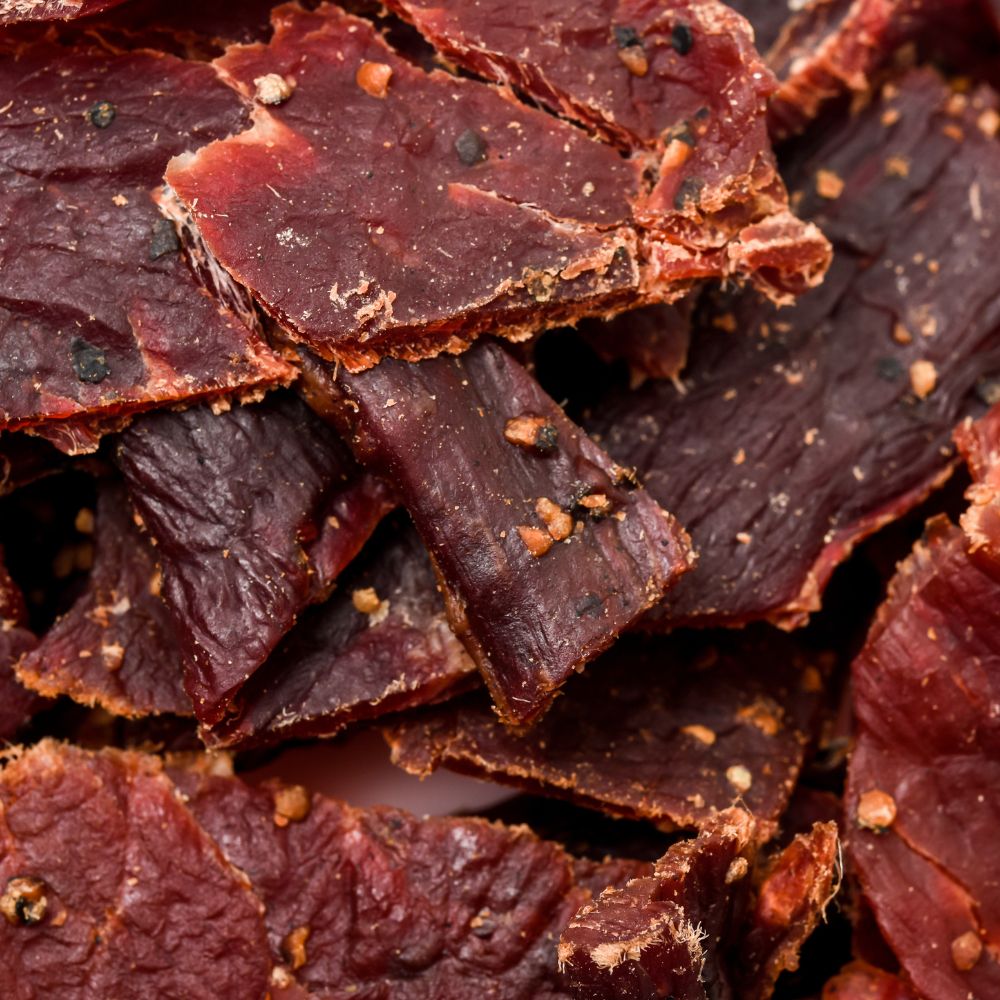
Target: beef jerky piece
{"type": "Point", "coordinates": [668, 730]}
{"type": "Point", "coordinates": [860, 981]}
{"type": "Point", "coordinates": [111, 889]}
{"type": "Point", "coordinates": [351, 245]}
{"type": "Point", "coordinates": [13, 11]}
{"type": "Point", "coordinates": [679, 81]}
{"type": "Point", "coordinates": [100, 316]}
{"type": "Point", "coordinates": [254, 512]}
{"type": "Point", "coordinates": [379, 644]}
{"type": "Point", "coordinates": [378, 903]}
{"type": "Point", "coordinates": [116, 647]}
{"type": "Point", "coordinates": [545, 548]}
{"type": "Point", "coordinates": [804, 430]}
{"type": "Point", "coordinates": [654, 341]}
{"type": "Point", "coordinates": [665, 935]}
{"type": "Point", "coordinates": [790, 902]}
{"type": "Point", "coordinates": [766, 17]}
{"type": "Point", "coordinates": [17, 703]}
{"type": "Point", "coordinates": [979, 443]}
{"type": "Point", "coordinates": [919, 794]}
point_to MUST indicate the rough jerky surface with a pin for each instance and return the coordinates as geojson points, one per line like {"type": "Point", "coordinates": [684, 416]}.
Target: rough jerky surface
{"type": "Point", "coordinates": [680, 84]}
{"type": "Point", "coordinates": [100, 315]}
{"type": "Point", "coordinates": [17, 704]}
{"type": "Point", "coordinates": [135, 899]}
{"type": "Point", "coordinates": [545, 549]}
{"type": "Point", "coordinates": [859, 981]}
{"type": "Point", "coordinates": [13, 11]}
{"type": "Point", "coordinates": [254, 513]}
{"type": "Point", "coordinates": [665, 935]}
{"type": "Point", "coordinates": [668, 730]}
{"type": "Point", "coordinates": [116, 647]}
{"type": "Point", "coordinates": [381, 643]}
{"type": "Point", "coordinates": [805, 429]}
{"type": "Point", "coordinates": [346, 209]}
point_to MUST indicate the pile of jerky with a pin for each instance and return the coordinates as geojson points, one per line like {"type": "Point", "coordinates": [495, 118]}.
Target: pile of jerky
{"type": "Point", "coordinates": [600, 398]}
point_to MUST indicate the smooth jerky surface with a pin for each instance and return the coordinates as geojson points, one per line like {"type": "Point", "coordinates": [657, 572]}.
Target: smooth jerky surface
{"type": "Point", "coordinates": [803, 430]}
{"type": "Point", "coordinates": [678, 83]}
{"type": "Point", "coordinates": [379, 644]}
{"type": "Point", "coordinates": [919, 796]}
{"type": "Point", "coordinates": [254, 511]}
{"type": "Point", "coordinates": [111, 888]}
{"type": "Point", "coordinates": [100, 315]}
{"type": "Point", "coordinates": [667, 730]}
{"type": "Point", "coordinates": [545, 549]}
{"type": "Point", "coordinates": [666, 935]}
{"type": "Point", "coordinates": [116, 646]}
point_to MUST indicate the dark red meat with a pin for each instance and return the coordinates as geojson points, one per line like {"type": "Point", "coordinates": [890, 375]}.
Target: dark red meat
{"type": "Point", "coordinates": [859, 981]}
{"type": "Point", "coordinates": [17, 704]}
{"type": "Point", "coordinates": [379, 644]}
{"type": "Point", "coordinates": [666, 935]}
{"type": "Point", "coordinates": [669, 730]}
{"type": "Point", "coordinates": [790, 902]}
{"type": "Point", "coordinates": [678, 81]}
{"type": "Point", "coordinates": [254, 512]}
{"type": "Point", "coordinates": [804, 430]}
{"type": "Point", "coordinates": [498, 482]}
{"type": "Point", "coordinates": [116, 647]}
{"type": "Point", "coordinates": [13, 11]}
{"type": "Point", "coordinates": [766, 17]}
{"type": "Point", "coordinates": [111, 889]}
{"type": "Point", "coordinates": [100, 316]}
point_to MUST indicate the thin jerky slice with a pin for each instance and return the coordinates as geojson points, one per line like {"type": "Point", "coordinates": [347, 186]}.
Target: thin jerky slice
{"type": "Point", "coordinates": [17, 703]}
{"type": "Point", "coordinates": [790, 902]}
{"type": "Point", "coordinates": [666, 935]}
{"type": "Point", "coordinates": [100, 315]}
{"type": "Point", "coordinates": [804, 430]}
{"type": "Point", "coordinates": [352, 244]}
{"type": "Point", "coordinates": [116, 647]}
{"type": "Point", "coordinates": [545, 549]}
{"type": "Point", "coordinates": [110, 887]}
{"type": "Point", "coordinates": [14, 11]}
{"type": "Point", "coordinates": [860, 981]}
{"type": "Point", "coordinates": [379, 903]}
{"type": "Point", "coordinates": [678, 81]}
{"type": "Point", "coordinates": [254, 512]}
{"type": "Point", "coordinates": [381, 643]}
{"type": "Point", "coordinates": [668, 730]}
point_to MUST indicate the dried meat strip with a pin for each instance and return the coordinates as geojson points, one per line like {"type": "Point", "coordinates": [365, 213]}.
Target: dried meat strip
{"type": "Point", "coordinates": [116, 647]}
{"type": "Point", "coordinates": [110, 888]}
{"type": "Point", "coordinates": [804, 430]}
{"type": "Point", "coordinates": [979, 443]}
{"type": "Point", "coordinates": [17, 703]}
{"type": "Point", "coordinates": [927, 758]}
{"type": "Point", "coordinates": [666, 935]}
{"type": "Point", "coordinates": [254, 512]}
{"type": "Point", "coordinates": [860, 981]}
{"type": "Point", "coordinates": [381, 643]}
{"type": "Point", "coordinates": [15, 11]}
{"type": "Point", "coordinates": [668, 730]}
{"type": "Point", "coordinates": [100, 316]}
{"type": "Point", "coordinates": [679, 82]}
{"type": "Point", "coordinates": [378, 903]}
{"type": "Point", "coordinates": [544, 547]}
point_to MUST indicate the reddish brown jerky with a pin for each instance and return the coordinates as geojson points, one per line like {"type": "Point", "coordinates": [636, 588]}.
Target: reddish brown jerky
{"type": "Point", "coordinates": [116, 647]}
{"type": "Point", "coordinates": [667, 730]}
{"type": "Point", "coordinates": [378, 903]}
{"type": "Point", "coordinates": [804, 430]}
{"type": "Point", "coordinates": [789, 904]}
{"type": "Point", "coordinates": [100, 316]}
{"type": "Point", "coordinates": [919, 795]}
{"type": "Point", "coordinates": [17, 704]}
{"type": "Point", "coordinates": [544, 546]}
{"type": "Point", "coordinates": [13, 11]}
{"type": "Point", "coordinates": [859, 981]}
{"type": "Point", "coordinates": [379, 644]}
{"type": "Point", "coordinates": [679, 82]}
{"type": "Point", "coordinates": [666, 935]}
{"type": "Point", "coordinates": [979, 443]}
{"type": "Point", "coordinates": [254, 512]}
{"type": "Point", "coordinates": [113, 888]}
{"type": "Point", "coordinates": [352, 245]}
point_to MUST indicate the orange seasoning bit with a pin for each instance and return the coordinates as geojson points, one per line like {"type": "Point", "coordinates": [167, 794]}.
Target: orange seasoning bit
{"type": "Point", "coordinates": [373, 78]}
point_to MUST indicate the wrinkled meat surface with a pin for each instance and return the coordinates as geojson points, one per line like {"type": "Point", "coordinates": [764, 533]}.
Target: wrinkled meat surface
{"type": "Point", "coordinates": [678, 82]}
{"type": "Point", "coordinates": [254, 513]}
{"type": "Point", "coordinates": [545, 549]}
{"type": "Point", "coordinates": [805, 429]}
{"type": "Point", "coordinates": [667, 730]}
{"type": "Point", "coordinates": [379, 644]}
{"type": "Point", "coordinates": [116, 646]}
{"type": "Point", "coordinates": [100, 315]}
{"type": "Point", "coordinates": [111, 888]}
{"type": "Point", "coordinates": [13, 11]}
{"type": "Point", "coordinates": [666, 935]}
